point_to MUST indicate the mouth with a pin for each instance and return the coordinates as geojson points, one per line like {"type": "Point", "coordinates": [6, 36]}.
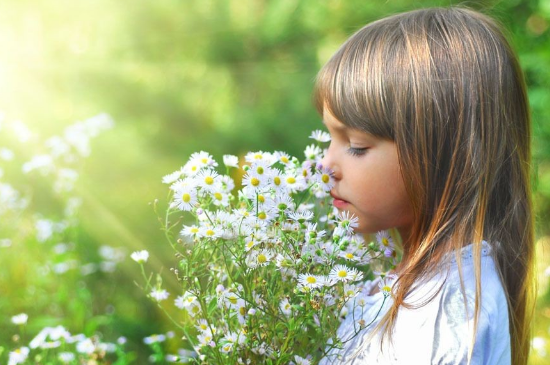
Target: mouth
{"type": "Point", "coordinates": [338, 202]}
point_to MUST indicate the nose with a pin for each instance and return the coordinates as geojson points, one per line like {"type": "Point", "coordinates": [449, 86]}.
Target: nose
{"type": "Point", "coordinates": [329, 161]}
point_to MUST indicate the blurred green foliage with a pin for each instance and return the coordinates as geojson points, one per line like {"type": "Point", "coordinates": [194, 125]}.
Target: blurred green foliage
{"type": "Point", "coordinates": [178, 76]}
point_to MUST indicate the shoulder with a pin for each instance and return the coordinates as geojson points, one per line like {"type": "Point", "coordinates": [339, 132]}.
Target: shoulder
{"type": "Point", "coordinates": [448, 318]}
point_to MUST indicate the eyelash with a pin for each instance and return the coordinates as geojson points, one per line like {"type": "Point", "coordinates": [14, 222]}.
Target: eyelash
{"type": "Point", "coordinates": [357, 151]}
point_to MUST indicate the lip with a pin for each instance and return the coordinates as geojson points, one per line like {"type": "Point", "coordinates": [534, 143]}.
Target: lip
{"type": "Point", "coordinates": [338, 202]}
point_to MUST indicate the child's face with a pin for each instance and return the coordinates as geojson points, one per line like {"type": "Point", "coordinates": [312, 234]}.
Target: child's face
{"type": "Point", "coordinates": [368, 181]}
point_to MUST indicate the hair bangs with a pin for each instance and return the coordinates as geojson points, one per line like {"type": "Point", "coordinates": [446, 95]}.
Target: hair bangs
{"type": "Point", "coordinates": [355, 84]}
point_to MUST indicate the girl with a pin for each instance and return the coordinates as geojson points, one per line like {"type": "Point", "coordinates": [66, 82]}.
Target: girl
{"type": "Point", "coordinates": [430, 128]}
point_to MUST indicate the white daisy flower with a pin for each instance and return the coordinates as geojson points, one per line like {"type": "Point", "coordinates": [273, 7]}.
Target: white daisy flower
{"type": "Point", "coordinates": [323, 177]}
{"type": "Point", "coordinates": [386, 284]}
{"type": "Point", "coordinates": [311, 281]}
{"type": "Point", "coordinates": [189, 302]}
{"type": "Point", "coordinates": [301, 217]}
{"type": "Point", "coordinates": [85, 347]}
{"type": "Point", "coordinates": [250, 242]}
{"type": "Point", "coordinates": [264, 201]}
{"type": "Point", "coordinates": [293, 183]}
{"type": "Point", "coordinates": [204, 159]}
{"type": "Point", "coordinates": [140, 256]}
{"type": "Point", "coordinates": [183, 183]}
{"type": "Point", "coordinates": [306, 171]}
{"type": "Point", "coordinates": [173, 177]}
{"type": "Point", "coordinates": [344, 273]}
{"type": "Point", "coordinates": [256, 156]}
{"type": "Point", "coordinates": [18, 356]}
{"type": "Point", "coordinates": [266, 215]}
{"type": "Point", "coordinates": [352, 254]}
{"type": "Point", "coordinates": [260, 168]}
{"type": "Point", "coordinates": [241, 310]}
{"type": "Point", "coordinates": [207, 179]}
{"type": "Point", "coordinates": [311, 232]}
{"type": "Point", "coordinates": [313, 153]}
{"type": "Point", "coordinates": [230, 340]}
{"type": "Point", "coordinates": [320, 136]}
{"type": "Point", "coordinates": [384, 240]}
{"type": "Point", "coordinates": [154, 339]}
{"type": "Point", "coordinates": [254, 182]}
{"type": "Point", "coordinates": [185, 198]}
{"type": "Point", "coordinates": [190, 231]}
{"type": "Point", "coordinates": [276, 180]}
{"type": "Point", "coordinates": [227, 347]}
{"type": "Point", "coordinates": [285, 307]}
{"type": "Point", "coordinates": [192, 167]}
{"type": "Point", "coordinates": [205, 339]}
{"type": "Point", "coordinates": [202, 325]}
{"type": "Point", "coordinates": [227, 183]}
{"type": "Point", "coordinates": [208, 231]}
{"type": "Point", "coordinates": [231, 161]}
{"type": "Point", "coordinates": [159, 294]}
{"type": "Point", "coordinates": [20, 319]}
{"type": "Point", "coordinates": [283, 202]}
{"type": "Point", "coordinates": [351, 290]}
{"type": "Point", "coordinates": [220, 198]}
{"type": "Point", "coordinates": [66, 357]}
{"type": "Point", "coordinates": [301, 361]}
{"type": "Point", "coordinates": [283, 157]}
{"type": "Point", "coordinates": [347, 221]}
{"type": "Point", "coordinates": [259, 258]}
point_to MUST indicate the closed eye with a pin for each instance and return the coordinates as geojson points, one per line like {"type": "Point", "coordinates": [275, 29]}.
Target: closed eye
{"type": "Point", "coordinates": [354, 151]}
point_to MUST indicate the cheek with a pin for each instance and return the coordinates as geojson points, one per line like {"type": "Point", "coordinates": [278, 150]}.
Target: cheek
{"type": "Point", "coordinates": [381, 195]}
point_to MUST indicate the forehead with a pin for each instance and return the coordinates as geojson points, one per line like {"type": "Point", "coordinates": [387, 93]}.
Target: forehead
{"type": "Point", "coordinates": [330, 120]}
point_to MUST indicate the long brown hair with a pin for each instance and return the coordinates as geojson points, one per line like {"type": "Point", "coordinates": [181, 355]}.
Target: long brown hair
{"type": "Point", "coordinates": [446, 86]}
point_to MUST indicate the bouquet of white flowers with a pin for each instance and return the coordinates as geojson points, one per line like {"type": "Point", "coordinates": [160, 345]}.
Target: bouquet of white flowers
{"type": "Point", "coordinates": [268, 273]}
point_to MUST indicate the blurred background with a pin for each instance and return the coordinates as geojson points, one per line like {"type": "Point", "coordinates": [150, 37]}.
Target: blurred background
{"type": "Point", "coordinates": [175, 77]}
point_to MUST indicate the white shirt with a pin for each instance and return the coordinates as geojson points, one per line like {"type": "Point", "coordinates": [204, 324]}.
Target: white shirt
{"type": "Point", "coordinates": [439, 332]}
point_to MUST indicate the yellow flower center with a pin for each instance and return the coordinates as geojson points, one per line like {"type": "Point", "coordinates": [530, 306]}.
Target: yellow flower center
{"type": "Point", "coordinates": [186, 198]}
{"type": "Point", "coordinates": [284, 159]}
{"type": "Point", "coordinates": [195, 309]}
{"type": "Point", "coordinates": [209, 180]}
{"type": "Point", "coordinates": [277, 180]}
{"type": "Point", "coordinates": [304, 173]}
{"type": "Point", "coordinates": [342, 273]}
{"type": "Point", "coordinates": [325, 178]}
{"type": "Point", "coordinates": [262, 259]}
{"type": "Point", "coordinates": [258, 156]}
{"type": "Point", "coordinates": [262, 215]}
{"type": "Point", "coordinates": [311, 280]}
{"type": "Point", "coordinates": [242, 311]}
{"type": "Point", "coordinates": [233, 300]}
{"type": "Point", "coordinates": [254, 181]}
{"type": "Point", "coordinates": [386, 288]}
{"type": "Point", "coordinates": [260, 170]}
{"type": "Point", "coordinates": [204, 160]}
{"type": "Point", "coordinates": [261, 198]}
{"type": "Point", "coordinates": [194, 168]}
{"type": "Point", "coordinates": [203, 327]}
{"type": "Point", "coordinates": [290, 180]}
{"type": "Point", "coordinates": [209, 232]}
{"type": "Point", "coordinates": [349, 256]}
{"type": "Point", "coordinates": [194, 230]}
{"type": "Point", "coordinates": [218, 196]}
{"type": "Point", "coordinates": [385, 241]}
